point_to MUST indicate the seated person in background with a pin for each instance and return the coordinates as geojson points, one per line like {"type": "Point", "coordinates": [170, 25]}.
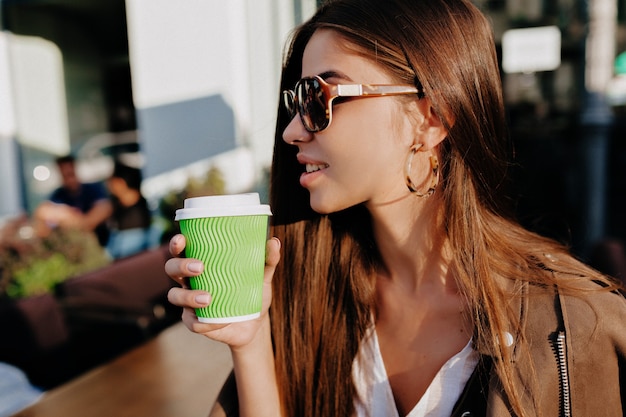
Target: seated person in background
{"type": "Point", "coordinates": [131, 221]}
{"type": "Point", "coordinates": [75, 204]}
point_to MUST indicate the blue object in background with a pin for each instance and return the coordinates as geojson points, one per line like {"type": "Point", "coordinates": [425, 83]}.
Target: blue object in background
{"type": "Point", "coordinates": [16, 392]}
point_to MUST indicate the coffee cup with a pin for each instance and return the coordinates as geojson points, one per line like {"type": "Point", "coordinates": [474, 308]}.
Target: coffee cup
{"type": "Point", "coordinates": [228, 233]}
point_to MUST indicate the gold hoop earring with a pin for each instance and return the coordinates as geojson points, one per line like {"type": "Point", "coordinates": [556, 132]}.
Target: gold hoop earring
{"type": "Point", "coordinates": [434, 165]}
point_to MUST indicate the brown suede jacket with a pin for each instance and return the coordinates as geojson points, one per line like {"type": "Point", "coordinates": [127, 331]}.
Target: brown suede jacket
{"type": "Point", "coordinates": [577, 347]}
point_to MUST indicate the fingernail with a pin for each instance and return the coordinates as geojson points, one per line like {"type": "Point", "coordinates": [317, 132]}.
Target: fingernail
{"type": "Point", "coordinates": [203, 299]}
{"type": "Point", "coordinates": [174, 241]}
{"type": "Point", "coordinates": [194, 267]}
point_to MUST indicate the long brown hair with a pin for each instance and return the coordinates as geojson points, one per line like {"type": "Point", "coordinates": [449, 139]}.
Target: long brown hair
{"type": "Point", "coordinates": [324, 284]}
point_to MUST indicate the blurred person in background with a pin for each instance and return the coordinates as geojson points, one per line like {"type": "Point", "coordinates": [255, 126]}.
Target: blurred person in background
{"type": "Point", "coordinates": [131, 221]}
{"type": "Point", "coordinates": [75, 204]}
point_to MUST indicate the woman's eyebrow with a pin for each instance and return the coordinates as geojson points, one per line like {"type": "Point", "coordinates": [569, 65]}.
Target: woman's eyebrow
{"type": "Point", "coordinates": [333, 74]}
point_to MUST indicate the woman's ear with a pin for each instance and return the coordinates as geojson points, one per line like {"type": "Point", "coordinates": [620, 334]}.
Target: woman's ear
{"type": "Point", "coordinates": [430, 129]}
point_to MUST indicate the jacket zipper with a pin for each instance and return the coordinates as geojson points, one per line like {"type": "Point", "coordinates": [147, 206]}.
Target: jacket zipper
{"type": "Point", "coordinates": [564, 374]}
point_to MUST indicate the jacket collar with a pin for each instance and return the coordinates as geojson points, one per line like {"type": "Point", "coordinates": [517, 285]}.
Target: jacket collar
{"type": "Point", "coordinates": [517, 291]}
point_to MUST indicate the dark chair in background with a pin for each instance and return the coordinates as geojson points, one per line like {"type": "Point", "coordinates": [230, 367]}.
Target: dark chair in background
{"type": "Point", "coordinates": [91, 319]}
{"type": "Point", "coordinates": [112, 309]}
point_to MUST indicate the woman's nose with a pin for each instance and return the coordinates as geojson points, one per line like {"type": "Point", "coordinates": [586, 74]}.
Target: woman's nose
{"type": "Point", "coordinates": [295, 132]}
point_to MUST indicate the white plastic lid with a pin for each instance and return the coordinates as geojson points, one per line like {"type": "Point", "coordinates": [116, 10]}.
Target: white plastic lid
{"type": "Point", "coordinates": [248, 204]}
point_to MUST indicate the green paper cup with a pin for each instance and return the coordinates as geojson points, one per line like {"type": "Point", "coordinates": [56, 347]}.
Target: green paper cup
{"type": "Point", "coordinates": [228, 234]}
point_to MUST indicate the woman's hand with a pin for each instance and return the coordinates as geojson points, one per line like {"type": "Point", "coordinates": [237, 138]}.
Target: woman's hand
{"type": "Point", "coordinates": [236, 335]}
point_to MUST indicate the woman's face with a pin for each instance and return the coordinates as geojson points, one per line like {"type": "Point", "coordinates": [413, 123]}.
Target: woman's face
{"type": "Point", "coordinates": [360, 157]}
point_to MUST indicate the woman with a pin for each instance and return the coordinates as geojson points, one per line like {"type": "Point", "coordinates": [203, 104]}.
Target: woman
{"type": "Point", "coordinates": [404, 287]}
{"type": "Point", "coordinates": [131, 221]}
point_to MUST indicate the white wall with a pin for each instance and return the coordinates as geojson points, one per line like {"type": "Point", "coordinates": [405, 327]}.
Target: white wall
{"type": "Point", "coordinates": [10, 203]}
{"type": "Point", "coordinates": [189, 49]}
{"type": "Point", "coordinates": [7, 112]}
{"type": "Point", "coordinates": [34, 106]}
{"type": "Point", "coordinates": [33, 109]}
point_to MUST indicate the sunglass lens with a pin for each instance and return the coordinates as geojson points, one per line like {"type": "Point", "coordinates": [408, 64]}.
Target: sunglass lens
{"type": "Point", "coordinates": [312, 104]}
{"type": "Point", "coordinates": [289, 102]}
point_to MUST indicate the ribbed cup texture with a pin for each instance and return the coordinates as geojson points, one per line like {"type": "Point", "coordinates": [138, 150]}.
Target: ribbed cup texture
{"type": "Point", "coordinates": [233, 252]}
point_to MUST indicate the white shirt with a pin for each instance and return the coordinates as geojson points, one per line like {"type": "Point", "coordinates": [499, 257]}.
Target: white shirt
{"type": "Point", "coordinates": [374, 391]}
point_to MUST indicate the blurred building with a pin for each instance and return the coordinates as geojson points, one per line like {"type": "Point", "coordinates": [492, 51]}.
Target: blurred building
{"type": "Point", "coordinates": [191, 84]}
{"type": "Point", "coordinates": [194, 83]}
{"type": "Point", "coordinates": [569, 146]}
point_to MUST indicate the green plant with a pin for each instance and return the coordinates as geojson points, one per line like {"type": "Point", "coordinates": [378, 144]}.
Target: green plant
{"type": "Point", "coordinates": [32, 265]}
{"type": "Point", "coordinates": [212, 184]}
